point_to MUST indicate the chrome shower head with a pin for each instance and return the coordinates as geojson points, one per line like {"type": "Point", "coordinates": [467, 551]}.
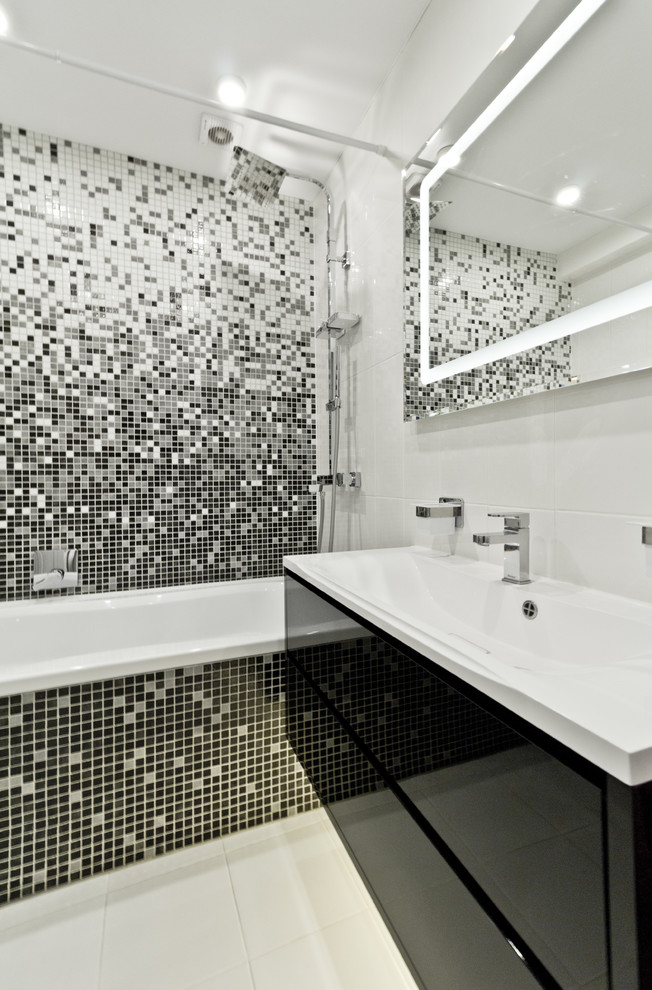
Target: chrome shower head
{"type": "Point", "coordinates": [254, 179]}
{"type": "Point", "coordinates": [412, 213]}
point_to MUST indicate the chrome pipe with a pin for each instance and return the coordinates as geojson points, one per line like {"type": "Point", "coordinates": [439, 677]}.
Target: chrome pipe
{"type": "Point", "coordinates": [335, 435]}
{"type": "Point", "coordinates": [318, 490]}
{"type": "Point", "coordinates": [333, 404]}
{"type": "Point", "coordinates": [182, 94]}
{"type": "Point", "coordinates": [329, 234]}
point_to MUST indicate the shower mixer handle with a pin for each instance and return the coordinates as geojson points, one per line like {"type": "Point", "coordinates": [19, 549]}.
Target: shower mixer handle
{"type": "Point", "coordinates": [344, 260]}
{"type": "Point", "coordinates": [355, 479]}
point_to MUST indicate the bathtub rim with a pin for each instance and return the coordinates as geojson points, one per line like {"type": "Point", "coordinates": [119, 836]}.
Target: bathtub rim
{"type": "Point", "coordinates": [87, 668]}
{"type": "Point", "coordinates": [70, 601]}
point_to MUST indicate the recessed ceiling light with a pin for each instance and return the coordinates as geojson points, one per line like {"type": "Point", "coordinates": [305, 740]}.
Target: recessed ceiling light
{"type": "Point", "coordinates": [452, 159]}
{"type": "Point", "coordinates": [568, 195]}
{"type": "Point", "coordinates": [505, 45]}
{"type": "Point", "coordinates": [4, 23]}
{"type": "Point", "coordinates": [231, 91]}
{"type": "Point", "coordinates": [446, 156]}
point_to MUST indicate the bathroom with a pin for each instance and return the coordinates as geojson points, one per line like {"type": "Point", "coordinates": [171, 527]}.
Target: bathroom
{"type": "Point", "coordinates": [138, 489]}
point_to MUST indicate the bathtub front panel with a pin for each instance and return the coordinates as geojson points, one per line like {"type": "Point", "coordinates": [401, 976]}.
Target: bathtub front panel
{"type": "Point", "coordinates": [97, 776]}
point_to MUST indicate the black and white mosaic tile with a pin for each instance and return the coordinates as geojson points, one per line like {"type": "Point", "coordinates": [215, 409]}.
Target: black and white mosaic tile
{"type": "Point", "coordinates": [157, 371]}
{"type": "Point", "coordinates": [254, 179]}
{"type": "Point", "coordinates": [98, 776]}
{"type": "Point", "coordinates": [482, 291]}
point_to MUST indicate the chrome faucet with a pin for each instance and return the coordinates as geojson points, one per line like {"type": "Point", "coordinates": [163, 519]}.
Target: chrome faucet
{"type": "Point", "coordinates": [516, 539]}
{"type": "Point", "coordinates": [55, 568]}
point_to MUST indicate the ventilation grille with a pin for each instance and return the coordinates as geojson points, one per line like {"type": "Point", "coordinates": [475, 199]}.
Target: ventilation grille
{"type": "Point", "coordinates": [219, 134]}
{"type": "Point", "coordinates": [219, 131]}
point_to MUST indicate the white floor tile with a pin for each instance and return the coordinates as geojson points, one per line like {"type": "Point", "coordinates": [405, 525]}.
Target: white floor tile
{"type": "Point", "coordinates": [162, 865]}
{"type": "Point", "coordinates": [173, 923]}
{"type": "Point", "coordinates": [249, 836]}
{"type": "Point", "coordinates": [349, 955]}
{"type": "Point", "coordinates": [60, 951]}
{"type": "Point", "coordinates": [52, 902]}
{"type": "Point", "coordinates": [172, 931]}
{"type": "Point", "coordinates": [235, 979]}
{"type": "Point", "coordinates": [291, 885]}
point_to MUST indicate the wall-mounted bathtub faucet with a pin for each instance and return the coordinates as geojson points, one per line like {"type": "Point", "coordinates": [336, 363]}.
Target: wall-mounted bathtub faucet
{"type": "Point", "coordinates": [516, 539]}
{"type": "Point", "coordinates": [54, 569]}
{"type": "Point", "coordinates": [448, 508]}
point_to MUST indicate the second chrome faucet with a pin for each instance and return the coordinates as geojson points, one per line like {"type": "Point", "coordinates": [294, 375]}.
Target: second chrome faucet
{"type": "Point", "coordinates": [515, 538]}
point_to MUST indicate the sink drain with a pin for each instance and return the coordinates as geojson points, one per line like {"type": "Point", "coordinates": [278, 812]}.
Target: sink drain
{"type": "Point", "coordinates": [530, 609]}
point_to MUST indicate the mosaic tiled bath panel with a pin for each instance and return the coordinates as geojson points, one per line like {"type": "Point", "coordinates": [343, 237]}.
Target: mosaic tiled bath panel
{"type": "Point", "coordinates": [157, 371]}
{"type": "Point", "coordinates": [98, 776]}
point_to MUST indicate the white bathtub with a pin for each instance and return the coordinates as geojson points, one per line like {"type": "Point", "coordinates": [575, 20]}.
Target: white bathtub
{"type": "Point", "coordinates": [74, 640]}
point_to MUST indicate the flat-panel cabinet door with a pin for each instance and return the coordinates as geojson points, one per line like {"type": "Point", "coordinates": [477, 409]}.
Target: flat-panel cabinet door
{"type": "Point", "coordinates": [526, 827]}
{"type": "Point", "coordinates": [445, 937]}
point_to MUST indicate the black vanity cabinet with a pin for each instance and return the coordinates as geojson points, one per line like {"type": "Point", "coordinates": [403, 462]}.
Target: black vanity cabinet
{"type": "Point", "coordinates": [485, 844]}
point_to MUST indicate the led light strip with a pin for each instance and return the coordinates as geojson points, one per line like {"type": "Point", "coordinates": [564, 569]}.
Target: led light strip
{"type": "Point", "coordinates": [511, 345]}
{"type": "Point", "coordinates": [622, 304]}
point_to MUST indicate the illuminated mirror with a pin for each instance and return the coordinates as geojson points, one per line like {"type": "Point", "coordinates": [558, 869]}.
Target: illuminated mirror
{"type": "Point", "coordinates": [543, 227]}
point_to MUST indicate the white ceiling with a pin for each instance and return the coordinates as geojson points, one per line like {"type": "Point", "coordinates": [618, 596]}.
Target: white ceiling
{"type": "Point", "coordinates": [317, 63]}
{"type": "Point", "coordinates": [583, 121]}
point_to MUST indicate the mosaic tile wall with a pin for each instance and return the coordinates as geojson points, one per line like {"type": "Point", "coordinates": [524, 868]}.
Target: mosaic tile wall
{"type": "Point", "coordinates": [101, 775]}
{"type": "Point", "coordinates": [157, 371]}
{"type": "Point", "coordinates": [482, 292]}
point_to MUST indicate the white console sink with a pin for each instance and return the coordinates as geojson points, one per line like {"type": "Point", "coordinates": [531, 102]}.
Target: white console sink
{"type": "Point", "coordinates": [581, 669]}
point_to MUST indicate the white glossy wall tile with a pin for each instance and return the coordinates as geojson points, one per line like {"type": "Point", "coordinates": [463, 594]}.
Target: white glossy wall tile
{"type": "Point", "coordinates": [358, 447]}
{"type": "Point", "coordinates": [390, 523]}
{"type": "Point", "coordinates": [603, 446]}
{"type": "Point", "coordinates": [602, 551]}
{"type": "Point", "coordinates": [388, 405]}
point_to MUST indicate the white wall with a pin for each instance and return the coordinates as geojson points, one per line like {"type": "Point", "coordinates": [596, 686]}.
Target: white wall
{"type": "Point", "coordinates": [580, 459]}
